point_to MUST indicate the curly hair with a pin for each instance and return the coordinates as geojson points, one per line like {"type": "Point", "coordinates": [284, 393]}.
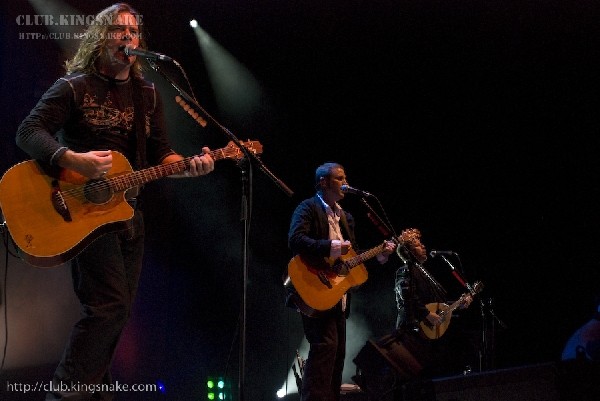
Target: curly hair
{"type": "Point", "coordinates": [95, 37]}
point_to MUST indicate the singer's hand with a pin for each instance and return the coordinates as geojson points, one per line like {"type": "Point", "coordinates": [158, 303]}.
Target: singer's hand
{"type": "Point", "coordinates": [93, 164]}
{"type": "Point", "coordinates": [434, 319]}
{"type": "Point", "coordinates": [201, 165]}
{"type": "Point", "coordinates": [388, 248]}
{"type": "Point", "coordinates": [346, 246]}
{"type": "Point", "coordinates": [466, 301]}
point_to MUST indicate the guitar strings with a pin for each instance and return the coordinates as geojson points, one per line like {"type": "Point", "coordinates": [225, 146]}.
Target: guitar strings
{"type": "Point", "coordinates": [127, 181]}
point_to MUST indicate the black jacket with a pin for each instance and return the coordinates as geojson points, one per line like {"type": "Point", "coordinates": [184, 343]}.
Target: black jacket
{"type": "Point", "coordinates": [309, 236]}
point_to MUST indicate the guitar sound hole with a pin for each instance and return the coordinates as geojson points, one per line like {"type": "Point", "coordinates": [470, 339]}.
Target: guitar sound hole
{"type": "Point", "coordinates": [97, 191]}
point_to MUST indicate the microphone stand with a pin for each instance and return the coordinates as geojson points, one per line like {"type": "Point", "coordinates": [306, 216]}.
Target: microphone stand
{"type": "Point", "coordinates": [387, 230]}
{"type": "Point", "coordinates": [458, 276]}
{"type": "Point", "coordinates": [490, 355]}
{"type": "Point", "coordinates": [484, 355]}
{"type": "Point", "coordinates": [384, 228]}
{"type": "Point", "coordinates": [246, 176]}
{"type": "Point", "coordinates": [249, 155]}
{"type": "Point", "coordinates": [484, 341]}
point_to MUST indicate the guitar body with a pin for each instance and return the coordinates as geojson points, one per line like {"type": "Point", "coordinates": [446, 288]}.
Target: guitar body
{"type": "Point", "coordinates": [313, 291]}
{"type": "Point", "coordinates": [435, 332]}
{"type": "Point", "coordinates": [44, 236]}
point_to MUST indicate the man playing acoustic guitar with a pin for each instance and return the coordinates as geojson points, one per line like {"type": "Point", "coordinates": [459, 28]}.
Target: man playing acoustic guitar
{"type": "Point", "coordinates": [321, 230]}
{"type": "Point", "coordinates": [103, 105]}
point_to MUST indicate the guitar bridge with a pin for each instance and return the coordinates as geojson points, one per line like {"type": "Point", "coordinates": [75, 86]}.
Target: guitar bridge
{"type": "Point", "coordinates": [58, 202]}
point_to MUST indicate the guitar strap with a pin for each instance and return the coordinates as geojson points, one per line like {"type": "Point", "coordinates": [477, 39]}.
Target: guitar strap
{"type": "Point", "coordinates": [345, 227]}
{"type": "Point", "coordinates": [139, 113]}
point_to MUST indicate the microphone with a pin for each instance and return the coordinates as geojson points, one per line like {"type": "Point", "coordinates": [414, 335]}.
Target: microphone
{"type": "Point", "coordinates": [434, 253]}
{"type": "Point", "coordinates": [349, 190]}
{"type": "Point", "coordinates": [133, 51]}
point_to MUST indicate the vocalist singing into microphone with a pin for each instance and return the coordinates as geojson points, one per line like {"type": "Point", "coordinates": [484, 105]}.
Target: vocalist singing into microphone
{"type": "Point", "coordinates": [320, 229]}
{"type": "Point", "coordinates": [420, 299]}
{"type": "Point", "coordinates": [102, 106]}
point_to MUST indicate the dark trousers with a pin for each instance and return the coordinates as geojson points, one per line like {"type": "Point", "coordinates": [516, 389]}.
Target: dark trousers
{"type": "Point", "coordinates": [326, 335]}
{"type": "Point", "coordinates": [105, 279]}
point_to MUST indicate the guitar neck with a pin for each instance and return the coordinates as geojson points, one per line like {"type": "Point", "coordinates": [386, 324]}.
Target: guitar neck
{"type": "Point", "coordinates": [476, 289]}
{"type": "Point", "coordinates": [141, 177]}
{"type": "Point", "coordinates": [366, 255]}
{"type": "Point", "coordinates": [453, 306]}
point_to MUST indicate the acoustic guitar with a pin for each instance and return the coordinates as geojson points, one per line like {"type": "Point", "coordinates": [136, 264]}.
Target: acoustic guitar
{"type": "Point", "coordinates": [321, 284]}
{"type": "Point", "coordinates": [53, 218]}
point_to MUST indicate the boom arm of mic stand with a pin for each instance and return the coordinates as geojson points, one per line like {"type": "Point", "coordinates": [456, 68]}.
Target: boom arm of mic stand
{"type": "Point", "coordinates": [249, 155]}
{"type": "Point", "coordinates": [276, 180]}
{"type": "Point", "coordinates": [379, 220]}
{"type": "Point", "coordinates": [458, 276]}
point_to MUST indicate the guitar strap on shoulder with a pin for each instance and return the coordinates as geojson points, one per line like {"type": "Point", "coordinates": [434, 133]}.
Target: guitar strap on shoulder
{"type": "Point", "coordinates": [139, 113]}
{"type": "Point", "coordinates": [344, 226]}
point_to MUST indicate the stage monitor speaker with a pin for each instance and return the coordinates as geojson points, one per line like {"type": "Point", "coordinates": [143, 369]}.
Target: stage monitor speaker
{"type": "Point", "coordinates": [384, 365]}
{"type": "Point", "coordinates": [405, 352]}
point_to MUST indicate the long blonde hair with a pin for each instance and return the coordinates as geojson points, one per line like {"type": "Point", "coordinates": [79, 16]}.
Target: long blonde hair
{"type": "Point", "coordinates": [95, 37]}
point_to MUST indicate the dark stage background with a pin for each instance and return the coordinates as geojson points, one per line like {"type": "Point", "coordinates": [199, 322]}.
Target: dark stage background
{"type": "Point", "coordinates": [476, 122]}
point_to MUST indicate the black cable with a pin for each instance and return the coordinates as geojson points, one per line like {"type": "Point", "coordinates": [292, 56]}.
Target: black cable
{"type": "Point", "coordinates": [385, 226]}
{"type": "Point", "coordinates": [233, 340]}
{"type": "Point", "coordinates": [5, 242]}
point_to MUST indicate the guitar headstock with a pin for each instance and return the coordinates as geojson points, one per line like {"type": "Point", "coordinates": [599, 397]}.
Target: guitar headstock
{"type": "Point", "coordinates": [232, 151]}
{"type": "Point", "coordinates": [410, 245]}
{"type": "Point", "coordinates": [477, 287]}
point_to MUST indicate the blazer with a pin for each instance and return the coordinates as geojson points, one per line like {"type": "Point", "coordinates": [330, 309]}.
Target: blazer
{"type": "Point", "coordinates": [309, 235]}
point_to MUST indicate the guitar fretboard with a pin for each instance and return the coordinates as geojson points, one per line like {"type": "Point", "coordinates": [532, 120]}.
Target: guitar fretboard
{"type": "Point", "coordinates": [361, 258]}
{"type": "Point", "coordinates": [371, 253]}
{"type": "Point", "coordinates": [140, 177]}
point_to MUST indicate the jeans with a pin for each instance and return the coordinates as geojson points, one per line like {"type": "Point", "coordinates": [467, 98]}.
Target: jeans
{"type": "Point", "coordinates": [105, 279]}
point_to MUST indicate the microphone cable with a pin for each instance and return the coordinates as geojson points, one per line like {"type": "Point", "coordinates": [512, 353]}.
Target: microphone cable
{"type": "Point", "coordinates": [6, 239]}
{"type": "Point", "coordinates": [5, 236]}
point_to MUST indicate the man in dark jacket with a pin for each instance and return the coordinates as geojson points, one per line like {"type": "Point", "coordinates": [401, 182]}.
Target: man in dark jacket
{"type": "Point", "coordinates": [320, 229]}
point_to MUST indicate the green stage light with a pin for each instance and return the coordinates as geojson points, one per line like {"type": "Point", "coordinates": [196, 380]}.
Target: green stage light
{"type": "Point", "coordinates": [218, 388]}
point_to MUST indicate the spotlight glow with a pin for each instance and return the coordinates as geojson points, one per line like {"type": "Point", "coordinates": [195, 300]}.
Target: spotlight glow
{"type": "Point", "coordinates": [194, 23]}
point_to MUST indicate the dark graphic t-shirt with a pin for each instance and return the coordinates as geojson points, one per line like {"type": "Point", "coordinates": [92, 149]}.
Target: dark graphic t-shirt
{"type": "Point", "coordinates": [92, 112]}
